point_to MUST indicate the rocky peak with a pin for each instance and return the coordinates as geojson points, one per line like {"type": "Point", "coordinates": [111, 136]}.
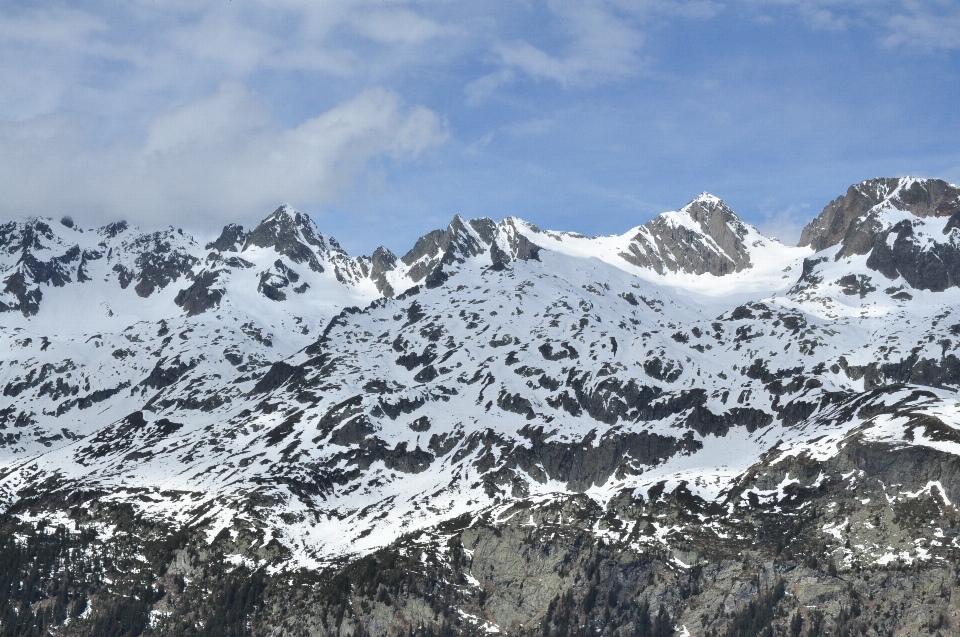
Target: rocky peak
{"type": "Point", "coordinates": [509, 243]}
{"type": "Point", "coordinates": [721, 224]}
{"type": "Point", "coordinates": [559, 447]}
{"type": "Point", "coordinates": [291, 233]}
{"type": "Point", "coordinates": [705, 236]}
{"type": "Point", "coordinates": [231, 238]}
{"type": "Point", "coordinates": [382, 262]}
{"type": "Point", "coordinates": [154, 260]}
{"type": "Point", "coordinates": [111, 230]}
{"type": "Point", "coordinates": [36, 256]}
{"type": "Point", "coordinates": [486, 229]}
{"type": "Point", "coordinates": [455, 244]}
{"type": "Point", "coordinates": [920, 247]}
{"type": "Point", "coordinates": [294, 235]}
{"type": "Point", "coordinates": [32, 234]}
{"type": "Point", "coordinates": [843, 219]}
{"type": "Point", "coordinates": [462, 240]}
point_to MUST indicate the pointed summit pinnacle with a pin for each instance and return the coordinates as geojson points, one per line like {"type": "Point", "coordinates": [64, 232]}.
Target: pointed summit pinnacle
{"type": "Point", "coordinates": [707, 199]}
{"type": "Point", "coordinates": [285, 211]}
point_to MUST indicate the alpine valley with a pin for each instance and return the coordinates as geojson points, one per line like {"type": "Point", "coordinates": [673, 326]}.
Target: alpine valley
{"type": "Point", "coordinates": [687, 429]}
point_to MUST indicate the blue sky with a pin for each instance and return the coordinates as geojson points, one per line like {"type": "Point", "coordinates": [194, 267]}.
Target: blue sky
{"type": "Point", "coordinates": [384, 118]}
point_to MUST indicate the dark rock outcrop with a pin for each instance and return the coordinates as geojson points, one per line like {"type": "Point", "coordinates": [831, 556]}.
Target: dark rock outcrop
{"type": "Point", "coordinates": [291, 234]}
{"type": "Point", "coordinates": [441, 247]}
{"type": "Point", "coordinates": [899, 252]}
{"type": "Point", "coordinates": [845, 219]}
{"type": "Point", "coordinates": [436, 251]}
{"type": "Point", "coordinates": [909, 248]}
{"type": "Point", "coordinates": [381, 262]}
{"type": "Point", "coordinates": [230, 240]}
{"type": "Point", "coordinates": [594, 459]}
{"type": "Point", "coordinates": [201, 295]}
{"type": "Point", "coordinates": [159, 262]}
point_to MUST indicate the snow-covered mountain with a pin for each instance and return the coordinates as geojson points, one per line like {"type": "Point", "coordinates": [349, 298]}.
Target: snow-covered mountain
{"type": "Point", "coordinates": [679, 386]}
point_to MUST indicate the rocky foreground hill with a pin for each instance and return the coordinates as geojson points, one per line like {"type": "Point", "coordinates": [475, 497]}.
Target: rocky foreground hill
{"type": "Point", "coordinates": [687, 429]}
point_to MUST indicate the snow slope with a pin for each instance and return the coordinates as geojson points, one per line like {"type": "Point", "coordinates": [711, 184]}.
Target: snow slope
{"type": "Point", "coordinates": [492, 362]}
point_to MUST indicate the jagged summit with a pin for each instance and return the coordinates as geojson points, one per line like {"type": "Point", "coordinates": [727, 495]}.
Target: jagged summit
{"type": "Point", "coordinates": [907, 229]}
{"type": "Point", "coordinates": [291, 233]}
{"type": "Point", "coordinates": [274, 257]}
{"type": "Point", "coordinates": [705, 236]}
{"type": "Point", "coordinates": [707, 198]}
{"type": "Point", "coordinates": [438, 253]}
{"type": "Point", "coordinates": [39, 259]}
{"type": "Point", "coordinates": [920, 197]}
{"type": "Point", "coordinates": [287, 254]}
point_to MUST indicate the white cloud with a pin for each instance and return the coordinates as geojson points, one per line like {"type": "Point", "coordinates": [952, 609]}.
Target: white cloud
{"type": "Point", "coordinates": [219, 36]}
{"type": "Point", "coordinates": [525, 57]}
{"type": "Point", "coordinates": [125, 56]}
{"type": "Point", "coordinates": [69, 29]}
{"type": "Point", "coordinates": [40, 51]}
{"type": "Point", "coordinates": [218, 158]}
{"type": "Point", "coordinates": [924, 28]}
{"type": "Point", "coordinates": [921, 24]}
{"type": "Point", "coordinates": [224, 118]}
{"type": "Point", "coordinates": [397, 26]}
{"type": "Point", "coordinates": [483, 86]}
{"type": "Point", "coordinates": [601, 43]}
{"type": "Point", "coordinates": [121, 109]}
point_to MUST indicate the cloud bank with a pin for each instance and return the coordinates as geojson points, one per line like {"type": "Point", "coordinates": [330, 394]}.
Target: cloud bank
{"type": "Point", "coordinates": [216, 158]}
{"type": "Point", "coordinates": [198, 113]}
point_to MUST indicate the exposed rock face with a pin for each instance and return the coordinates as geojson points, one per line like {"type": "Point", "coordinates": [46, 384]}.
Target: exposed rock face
{"type": "Point", "coordinates": [201, 295]}
{"type": "Point", "coordinates": [868, 220]}
{"type": "Point", "coordinates": [25, 279]}
{"type": "Point", "coordinates": [24, 283]}
{"type": "Point", "coordinates": [783, 552]}
{"type": "Point", "coordinates": [294, 235]}
{"type": "Point", "coordinates": [902, 251]}
{"type": "Point", "coordinates": [38, 258]}
{"type": "Point", "coordinates": [441, 247]}
{"type": "Point", "coordinates": [432, 259]}
{"type": "Point", "coordinates": [85, 259]}
{"type": "Point", "coordinates": [847, 219]}
{"type": "Point", "coordinates": [381, 262]}
{"type": "Point", "coordinates": [515, 245]}
{"type": "Point", "coordinates": [708, 238]}
{"type": "Point", "coordinates": [159, 262]}
{"type": "Point", "coordinates": [291, 234]}
{"type": "Point", "coordinates": [703, 237]}
{"type": "Point", "coordinates": [231, 239]}
{"type": "Point", "coordinates": [112, 230]}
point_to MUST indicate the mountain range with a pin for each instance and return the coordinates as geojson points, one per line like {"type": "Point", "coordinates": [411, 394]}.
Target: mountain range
{"type": "Point", "coordinates": [688, 428]}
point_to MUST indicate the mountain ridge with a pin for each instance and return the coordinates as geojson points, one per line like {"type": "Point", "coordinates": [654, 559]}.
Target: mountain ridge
{"type": "Point", "coordinates": [523, 406]}
{"type": "Point", "coordinates": [293, 235]}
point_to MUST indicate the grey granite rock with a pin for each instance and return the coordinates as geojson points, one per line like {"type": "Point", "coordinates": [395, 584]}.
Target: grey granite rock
{"type": "Point", "coordinates": [845, 218]}
{"type": "Point", "coordinates": [715, 247]}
